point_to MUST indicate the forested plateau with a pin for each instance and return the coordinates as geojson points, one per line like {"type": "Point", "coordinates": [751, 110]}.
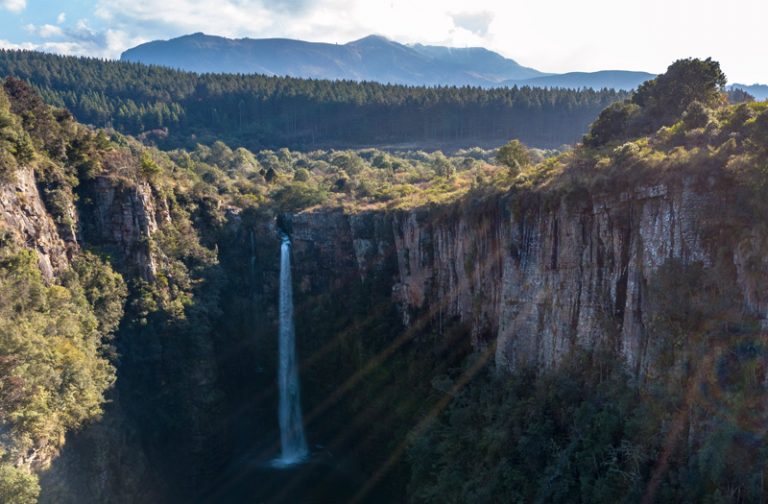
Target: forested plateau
{"type": "Point", "coordinates": [179, 109]}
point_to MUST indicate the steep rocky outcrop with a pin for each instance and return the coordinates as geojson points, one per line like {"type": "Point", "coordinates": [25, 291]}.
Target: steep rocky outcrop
{"type": "Point", "coordinates": [23, 214]}
{"type": "Point", "coordinates": [536, 277]}
{"type": "Point", "coordinates": [119, 216]}
{"type": "Point", "coordinates": [123, 216]}
{"type": "Point", "coordinates": [105, 460]}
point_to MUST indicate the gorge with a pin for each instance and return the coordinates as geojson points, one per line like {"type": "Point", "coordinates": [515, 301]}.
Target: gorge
{"type": "Point", "coordinates": [582, 326]}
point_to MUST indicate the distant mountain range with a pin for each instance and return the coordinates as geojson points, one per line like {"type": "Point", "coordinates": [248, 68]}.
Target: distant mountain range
{"type": "Point", "coordinates": [372, 58]}
{"type": "Point", "coordinates": [616, 79]}
{"type": "Point", "coordinates": [759, 91]}
{"type": "Point", "coordinates": [377, 59]}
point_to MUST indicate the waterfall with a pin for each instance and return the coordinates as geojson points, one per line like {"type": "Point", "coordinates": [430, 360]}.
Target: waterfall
{"type": "Point", "coordinates": [253, 258]}
{"type": "Point", "coordinates": [292, 440]}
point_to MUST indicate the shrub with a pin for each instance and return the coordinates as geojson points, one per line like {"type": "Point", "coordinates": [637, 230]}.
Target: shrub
{"type": "Point", "coordinates": [302, 175]}
{"type": "Point", "coordinates": [149, 167]}
{"type": "Point", "coordinates": [18, 486]}
{"type": "Point", "coordinates": [299, 195]}
{"type": "Point", "coordinates": [514, 155]}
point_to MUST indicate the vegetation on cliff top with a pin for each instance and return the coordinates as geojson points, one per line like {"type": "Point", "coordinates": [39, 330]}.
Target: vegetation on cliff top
{"type": "Point", "coordinates": [641, 139]}
{"type": "Point", "coordinates": [57, 357]}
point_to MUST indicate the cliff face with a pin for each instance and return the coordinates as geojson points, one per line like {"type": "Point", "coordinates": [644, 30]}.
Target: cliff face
{"type": "Point", "coordinates": [105, 460]}
{"type": "Point", "coordinates": [533, 276]}
{"type": "Point", "coordinates": [24, 215]}
{"type": "Point", "coordinates": [119, 217]}
{"type": "Point", "coordinates": [539, 277]}
{"type": "Point", "coordinates": [124, 217]}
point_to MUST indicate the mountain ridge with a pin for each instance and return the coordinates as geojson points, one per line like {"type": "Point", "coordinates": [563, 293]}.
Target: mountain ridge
{"type": "Point", "coordinates": [372, 58]}
{"type": "Point", "coordinates": [759, 91]}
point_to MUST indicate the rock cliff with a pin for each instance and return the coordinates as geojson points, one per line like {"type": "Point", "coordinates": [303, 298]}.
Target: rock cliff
{"type": "Point", "coordinates": [532, 275]}
{"type": "Point", "coordinates": [23, 214]}
{"type": "Point", "coordinates": [536, 277]}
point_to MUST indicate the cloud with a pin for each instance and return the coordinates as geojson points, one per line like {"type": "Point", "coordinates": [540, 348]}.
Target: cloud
{"type": "Point", "coordinates": [475, 22]}
{"type": "Point", "coordinates": [61, 18]}
{"type": "Point", "coordinates": [68, 48]}
{"type": "Point", "coordinates": [224, 17]}
{"type": "Point", "coordinates": [80, 40]}
{"type": "Point", "coordinates": [538, 34]}
{"type": "Point", "coordinates": [5, 44]}
{"type": "Point", "coordinates": [85, 34]}
{"type": "Point", "coordinates": [13, 5]}
{"type": "Point", "coordinates": [334, 21]}
{"type": "Point", "coordinates": [45, 31]}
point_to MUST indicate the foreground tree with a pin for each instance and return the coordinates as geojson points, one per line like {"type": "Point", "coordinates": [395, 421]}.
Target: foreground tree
{"type": "Point", "coordinates": [514, 155]}
{"type": "Point", "coordinates": [685, 81]}
{"type": "Point", "coordinates": [661, 102]}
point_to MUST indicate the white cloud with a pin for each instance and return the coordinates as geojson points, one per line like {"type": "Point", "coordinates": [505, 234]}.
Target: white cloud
{"type": "Point", "coordinates": [319, 20]}
{"type": "Point", "coordinates": [79, 41]}
{"type": "Point", "coordinates": [13, 5]}
{"type": "Point", "coordinates": [61, 18]}
{"type": "Point", "coordinates": [48, 31]}
{"type": "Point", "coordinates": [225, 17]}
{"type": "Point", "coordinates": [554, 35]}
{"type": "Point", "coordinates": [44, 31]}
{"type": "Point", "coordinates": [475, 22]}
{"type": "Point", "coordinates": [5, 44]}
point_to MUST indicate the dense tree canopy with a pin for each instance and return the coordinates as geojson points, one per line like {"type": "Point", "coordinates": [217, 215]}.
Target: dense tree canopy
{"type": "Point", "coordinates": [685, 81]}
{"type": "Point", "coordinates": [257, 111]}
{"type": "Point", "coordinates": [661, 101]}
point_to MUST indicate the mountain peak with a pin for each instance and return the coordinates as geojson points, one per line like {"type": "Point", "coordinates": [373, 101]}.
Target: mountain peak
{"type": "Point", "coordinates": [372, 58]}
{"type": "Point", "coordinates": [371, 38]}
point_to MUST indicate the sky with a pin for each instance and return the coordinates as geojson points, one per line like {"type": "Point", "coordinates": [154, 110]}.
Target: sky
{"type": "Point", "coordinates": [549, 35]}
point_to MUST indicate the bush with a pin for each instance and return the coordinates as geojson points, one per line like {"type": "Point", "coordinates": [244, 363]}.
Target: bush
{"type": "Point", "coordinates": [350, 162]}
{"type": "Point", "coordinates": [24, 150]}
{"type": "Point", "coordinates": [514, 155]}
{"type": "Point", "coordinates": [442, 165]}
{"type": "Point", "coordinates": [696, 116]}
{"type": "Point", "coordinates": [18, 486]}
{"type": "Point", "coordinates": [612, 123]}
{"type": "Point", "coordinates": [149, 167]}
{"type": "Point", "coordinates": [298, 195]}
{"type": "Point", "coordinates": [52, 367]}
{"type": "Point", "coordinates": [302, 175]}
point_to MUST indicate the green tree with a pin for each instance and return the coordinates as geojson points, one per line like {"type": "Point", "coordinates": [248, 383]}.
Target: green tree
{"type": "Point", "coordinates": [302, 175]}
{"type": "Point", "coordinates": [514, 155]}
{"type": "Point", "coordinates": [25, 151]}
{"type": "Point", "coordinates": [611, 124]}
{"type": "Point", "coordinates": [665, 98]}
{"type": "Point", "coordinates": [18, 486]}
{"type": "Point", "coordinates": [442, 165]}
{"type": "Point", "coordinates": [348, 161]}
{"type": "Point", "coordinates": [696, 115]}
{"type": "Point", "coordinates": [149, 167]}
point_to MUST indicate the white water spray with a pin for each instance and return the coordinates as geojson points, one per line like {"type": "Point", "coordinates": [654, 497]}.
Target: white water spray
{"type": "Point", "coordinates": [292, 440]}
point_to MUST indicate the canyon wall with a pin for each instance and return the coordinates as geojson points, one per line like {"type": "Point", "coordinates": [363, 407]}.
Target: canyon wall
{"type": "Point", "coordinates": [537, 275]}
{"type": "Point", "coordinates": [531, 276]}
{"type": "Point", "coordinates": [23, 215]}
